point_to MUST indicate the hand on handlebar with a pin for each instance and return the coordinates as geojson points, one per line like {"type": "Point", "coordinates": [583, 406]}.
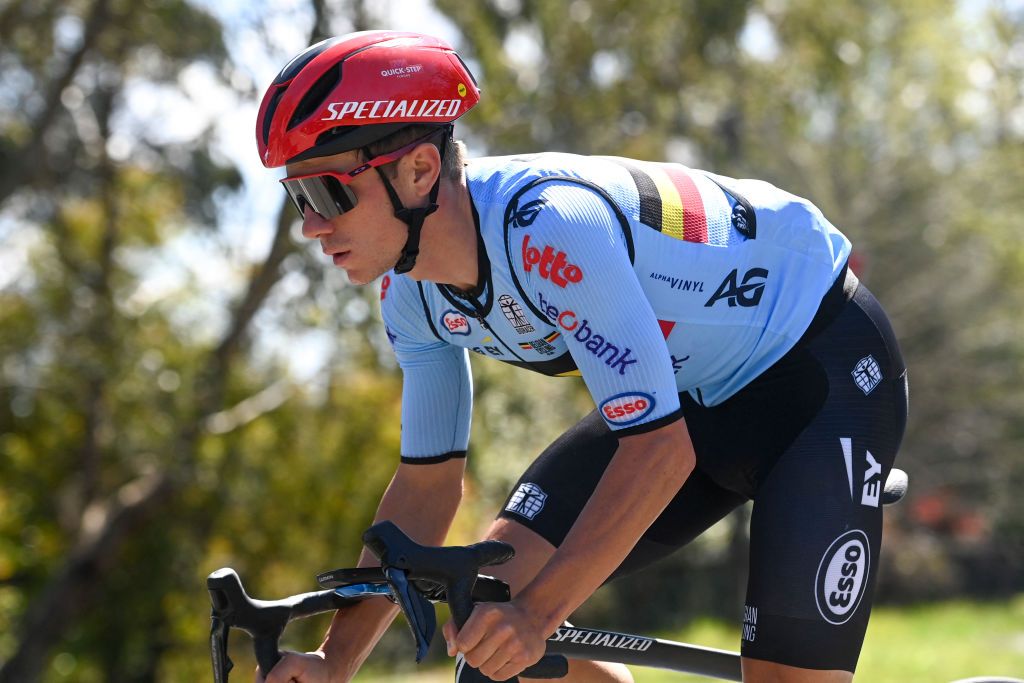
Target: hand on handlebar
{"type": "Point", "coordinates": [499, 639]}
{"type": "Point", "coordinates": [298, 667]}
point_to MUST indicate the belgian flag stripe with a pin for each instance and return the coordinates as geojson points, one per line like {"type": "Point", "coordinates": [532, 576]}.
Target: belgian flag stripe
{"type": "Point", "coordinates": [669, 200]}
{"type": "Point", "coordinates": [650, 199]}
{"type": "Point", "coordinates": [695, 220]}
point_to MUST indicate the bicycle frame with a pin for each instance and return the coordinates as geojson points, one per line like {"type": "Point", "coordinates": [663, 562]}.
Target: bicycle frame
{"type": "Point", "coordinates": [413, 576]}
{"type": "Point", "coordinates": [265, 621]}
{"type": "Point", "coordinates": [608, 646]}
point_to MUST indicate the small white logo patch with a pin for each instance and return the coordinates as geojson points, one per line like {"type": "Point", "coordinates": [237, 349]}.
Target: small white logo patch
{"type": "Point", "coordinates": [527, 501]}
{"type": "Point", "coordinates": [867, 374]}
{"type": "Point", "coordinates": [749, 623]}
{"type": "Point", "coordinates": [842, 577]}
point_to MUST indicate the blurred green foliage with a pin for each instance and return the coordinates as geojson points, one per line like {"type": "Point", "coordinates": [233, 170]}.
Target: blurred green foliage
{"type": "Point", "coordinates": [148, 435]}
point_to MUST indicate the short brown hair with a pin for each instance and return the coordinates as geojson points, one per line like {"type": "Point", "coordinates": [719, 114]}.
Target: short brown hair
{"type": "Point", "coordinates": [454, 156]}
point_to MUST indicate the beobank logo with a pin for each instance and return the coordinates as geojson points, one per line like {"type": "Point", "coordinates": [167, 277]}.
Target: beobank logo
{"type": "Point", "coordinates": [595, 343]}
{"type": "Point", "coordinates": [625, 409]}
{"type": "Point", "coordinates": [551, 265]}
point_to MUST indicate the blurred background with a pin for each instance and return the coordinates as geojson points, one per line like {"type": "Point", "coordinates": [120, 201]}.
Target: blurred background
{"type": "Point", "coordinates": [185, 384]}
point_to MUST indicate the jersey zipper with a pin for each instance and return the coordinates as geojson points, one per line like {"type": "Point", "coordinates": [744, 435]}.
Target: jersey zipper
{"type": "Point", "coordinates": [476, 309]}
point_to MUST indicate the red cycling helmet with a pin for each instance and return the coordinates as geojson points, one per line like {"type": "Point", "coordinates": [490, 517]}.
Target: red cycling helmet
{"type": "Point", "coordinates": [347, 92]}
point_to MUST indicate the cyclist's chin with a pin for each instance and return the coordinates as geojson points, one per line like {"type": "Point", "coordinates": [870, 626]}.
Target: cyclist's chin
{"type": "Point", "coordinates": [362, 275]}
{"type": "Point", "coordinates": [357, 278]}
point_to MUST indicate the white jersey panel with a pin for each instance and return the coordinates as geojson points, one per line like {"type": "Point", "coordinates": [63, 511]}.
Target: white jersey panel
{"type": "Point", "coordinates": [437, 388]}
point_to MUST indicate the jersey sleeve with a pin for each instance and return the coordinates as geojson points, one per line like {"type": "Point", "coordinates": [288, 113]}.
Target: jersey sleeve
{"type": "Point", "coordinates": [570, 249]}
{"type": "Point", "coordinates": [437, 388]}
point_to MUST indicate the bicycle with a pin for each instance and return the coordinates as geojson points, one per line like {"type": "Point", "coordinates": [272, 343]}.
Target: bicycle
{"type": "Point", "coordinates": [415, 576]}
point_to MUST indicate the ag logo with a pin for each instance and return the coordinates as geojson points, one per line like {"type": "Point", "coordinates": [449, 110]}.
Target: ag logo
{"type": "Point", "coordinates": [842, 577]}
{"type": "Point", "coordinates": [525, 216]}
{"type": "Point", "coordinates": [748, 294]}
{"type": "Point", "coordinates": [455, 322]}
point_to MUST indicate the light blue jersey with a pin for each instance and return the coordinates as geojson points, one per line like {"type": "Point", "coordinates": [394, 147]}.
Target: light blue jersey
{"type": "Point", "coordinates": [647, 279]}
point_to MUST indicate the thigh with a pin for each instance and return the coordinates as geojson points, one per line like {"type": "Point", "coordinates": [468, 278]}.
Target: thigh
{"type": "Point", "coordinates": [552, 492]}
{"type": "Point", "coordinates": [817, 517]}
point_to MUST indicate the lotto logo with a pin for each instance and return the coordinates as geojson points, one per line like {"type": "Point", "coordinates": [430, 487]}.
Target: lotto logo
{"type": "Point", "coordinates": [551, 266]}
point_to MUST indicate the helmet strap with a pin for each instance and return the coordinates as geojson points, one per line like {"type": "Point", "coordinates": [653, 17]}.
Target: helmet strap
{"type": "Point", "coordinates": [413, 218]}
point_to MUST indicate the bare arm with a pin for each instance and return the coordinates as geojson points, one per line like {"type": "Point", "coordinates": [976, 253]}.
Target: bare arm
{"type": "Point", "coordinates": [647, 470]}
{"type": "Point", "coordinates": [422, 500]}
{"type": "Point", "coordinates": [642, 478]}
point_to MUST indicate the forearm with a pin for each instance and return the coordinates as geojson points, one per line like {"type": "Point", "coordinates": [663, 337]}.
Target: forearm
{"type": "Point", "coordinates": [640, 481]}
{"type": "Point", "coordinates": [355, 630]}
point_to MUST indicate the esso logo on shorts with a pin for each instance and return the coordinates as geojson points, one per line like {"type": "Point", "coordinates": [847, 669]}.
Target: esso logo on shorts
{"type": "Point", "coordinates": [842, 577]}
{"type": "Point", "coordinates": [455, 322]}
{"type": "Point", "coordinates": [624, 409]}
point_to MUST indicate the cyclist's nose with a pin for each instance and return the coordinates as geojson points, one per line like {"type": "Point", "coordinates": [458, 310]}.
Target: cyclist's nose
{"type": "Point", "coordinates": [314, 225]}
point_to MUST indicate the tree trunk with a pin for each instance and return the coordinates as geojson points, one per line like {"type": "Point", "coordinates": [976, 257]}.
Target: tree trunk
{"type": "Point", "coordinates": [105, 529]}
{"type": "Point", "coordinates": [26, 165]}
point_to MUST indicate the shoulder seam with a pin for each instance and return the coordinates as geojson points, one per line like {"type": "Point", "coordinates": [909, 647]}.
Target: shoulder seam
{"type": "Point", "coordinates": [426, 311]}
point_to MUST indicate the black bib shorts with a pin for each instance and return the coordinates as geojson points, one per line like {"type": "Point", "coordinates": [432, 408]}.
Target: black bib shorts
{"type": "Point", "coordinates": [811, 442]}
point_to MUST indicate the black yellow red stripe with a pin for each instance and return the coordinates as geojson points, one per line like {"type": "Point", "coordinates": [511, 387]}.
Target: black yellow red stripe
{"type": "Point", "coordinates": [526, 346]}
{"type": "Point", "coordinates": [669, 200]}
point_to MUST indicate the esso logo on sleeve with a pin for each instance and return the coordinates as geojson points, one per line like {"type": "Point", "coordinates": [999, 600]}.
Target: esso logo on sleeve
{"type": "Point", "coordinates": [455, 322]}
{"type": "Point", "coordinates": [625, 409]}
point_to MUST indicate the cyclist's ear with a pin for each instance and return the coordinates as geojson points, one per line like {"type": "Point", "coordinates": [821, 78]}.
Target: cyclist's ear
{"type": "Point", "coordinates": [420, 168]}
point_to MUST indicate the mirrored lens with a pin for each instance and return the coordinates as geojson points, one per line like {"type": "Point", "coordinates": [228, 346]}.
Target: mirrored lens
{"type": "Point", "coordinates": [343, 196]}
{"type": "Point", "coordinates": [324, 194]}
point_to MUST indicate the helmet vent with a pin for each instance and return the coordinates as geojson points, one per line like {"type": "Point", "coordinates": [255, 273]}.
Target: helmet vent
{"type": "Point", "coordinates": [316, 95]}
{"type": "Point", "coordinates": [292, 68]}
{"type": "Point", "coordinates": [268, 116]}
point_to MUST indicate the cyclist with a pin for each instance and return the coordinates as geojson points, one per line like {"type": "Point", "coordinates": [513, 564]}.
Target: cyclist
{"type": "Point", "coordinates": [731, 353]}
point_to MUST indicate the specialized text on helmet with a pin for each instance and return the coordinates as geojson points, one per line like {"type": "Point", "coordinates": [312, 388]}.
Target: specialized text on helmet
{"type": "Point", "coordinates": [392, 109]}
